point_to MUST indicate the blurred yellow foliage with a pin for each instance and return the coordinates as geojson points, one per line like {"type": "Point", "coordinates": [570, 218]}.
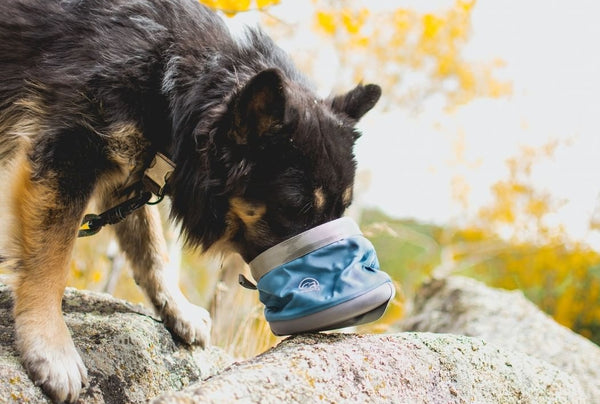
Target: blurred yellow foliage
{"type": "Point", "coordinates": [519, 209]}
{"type": "Point", "coordinates": [559, 275]}
{"type": "Point", "coordinates": [432, 25]}
{"type": "Point", "coordinates": [385, 46]}
{"type": "Point", "coordinates": [354, 20]}
{"type": "Point", "coordinates": [563, 280]}
{"type": "Point", "coordinates": [326, 21]}
{"type": "Point", "coordinates": [232, 7]}
{"type": "Point", "coordinates": [261, 4]}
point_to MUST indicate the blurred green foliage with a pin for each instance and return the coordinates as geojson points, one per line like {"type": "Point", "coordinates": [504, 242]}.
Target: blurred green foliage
{"type": "Point", "coordinates": [563, 279]}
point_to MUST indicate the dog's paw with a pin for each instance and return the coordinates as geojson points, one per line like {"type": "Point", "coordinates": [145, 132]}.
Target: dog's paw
{"type": "Point", "coordinates": [58, 370]}
{"type": "Point", "coordinates": [189, 322]}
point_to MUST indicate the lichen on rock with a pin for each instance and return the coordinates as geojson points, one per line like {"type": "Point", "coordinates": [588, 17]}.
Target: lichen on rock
{"type": "Point", "coordinates": [461, 305]}
{"type": "Point", "coordinates": [406, 367]}
{"type": "Point", "coordinates": [132, 358]}
{"type": "Point", "coordinates": [129, 354]}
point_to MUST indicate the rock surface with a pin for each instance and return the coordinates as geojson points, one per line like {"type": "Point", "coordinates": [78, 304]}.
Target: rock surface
{"type": "Point", "coordinates": [464, 306]}
{"type": "Point", "coordinates": [131, 358]}
{"type": "Point", "coordinates": [129, 354]}
{"type": "Point", "coordinates": [401, 368]}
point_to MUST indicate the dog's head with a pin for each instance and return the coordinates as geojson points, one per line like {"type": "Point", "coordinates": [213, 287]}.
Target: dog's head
{"type": "Point", "coordinates": [280, 161]}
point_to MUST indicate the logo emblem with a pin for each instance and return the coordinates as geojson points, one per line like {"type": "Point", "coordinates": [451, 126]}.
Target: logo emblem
{"type": "Point", "coordinates": [309, 285]}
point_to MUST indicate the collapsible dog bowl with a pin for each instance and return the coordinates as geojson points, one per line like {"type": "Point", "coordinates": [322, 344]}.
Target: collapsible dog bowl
{"type": "Point", "coordinates": [325, 278]}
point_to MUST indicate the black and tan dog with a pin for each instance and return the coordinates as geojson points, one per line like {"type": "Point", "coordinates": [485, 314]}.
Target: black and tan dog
{"type": "Point", "coordinates": [91, 90]}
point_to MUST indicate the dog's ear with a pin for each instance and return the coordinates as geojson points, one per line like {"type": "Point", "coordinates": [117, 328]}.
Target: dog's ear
{"type": "Point", "coordinates": [357, 101]}
{"type": "Point", "coordinates": [259, 107]}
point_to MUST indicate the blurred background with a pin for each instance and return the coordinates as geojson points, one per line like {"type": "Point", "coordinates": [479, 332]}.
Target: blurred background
{"type": "Point", "coordinates": [481, 159]}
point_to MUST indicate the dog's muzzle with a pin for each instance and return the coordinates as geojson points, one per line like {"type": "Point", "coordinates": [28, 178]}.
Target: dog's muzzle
{"type": "Point", "coordinates": [325, 278]}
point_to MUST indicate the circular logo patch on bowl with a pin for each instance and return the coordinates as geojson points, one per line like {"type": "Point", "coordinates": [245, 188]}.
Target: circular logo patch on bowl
{"type": "Point", "coordinates": [309, 285]}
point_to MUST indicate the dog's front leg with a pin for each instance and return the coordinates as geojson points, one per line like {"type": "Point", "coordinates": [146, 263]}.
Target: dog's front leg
{"type": "Point", "coordinates": [42, 236]}
{"type": "Point", "coordinates": [141, 238]}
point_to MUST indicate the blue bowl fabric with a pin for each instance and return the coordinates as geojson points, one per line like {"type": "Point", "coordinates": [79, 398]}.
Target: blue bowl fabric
{"type": "Point", "coordinates": [332, 270]}
{"type": "Point", "coordinates": [329, 276]}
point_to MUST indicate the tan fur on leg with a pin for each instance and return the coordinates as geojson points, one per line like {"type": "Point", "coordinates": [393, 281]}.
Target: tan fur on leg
{"type": "Point", "coordinates": [42, 236]}
{"type": "Point", "coordinates": [141, 238]}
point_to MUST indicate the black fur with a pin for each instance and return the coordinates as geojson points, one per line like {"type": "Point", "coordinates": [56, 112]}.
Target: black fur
{"type": "Point", "coordinates": [237, 118]}
{"type": "Point", "coordinates": [90, 90]}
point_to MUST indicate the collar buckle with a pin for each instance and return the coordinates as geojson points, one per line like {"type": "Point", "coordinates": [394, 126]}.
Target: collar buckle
{"type": "Point", "coordinates": [158, 173]}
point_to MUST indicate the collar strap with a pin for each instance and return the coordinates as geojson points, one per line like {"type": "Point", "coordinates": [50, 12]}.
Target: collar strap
{"type": "Point", "coordinates": [302, 244]}
{"type": "Point", "coordinates": [93, 223]}
{"type": "Point", "coordinates": [158, 173]}
{"type": "Point", "coordinates": [154, 182]}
